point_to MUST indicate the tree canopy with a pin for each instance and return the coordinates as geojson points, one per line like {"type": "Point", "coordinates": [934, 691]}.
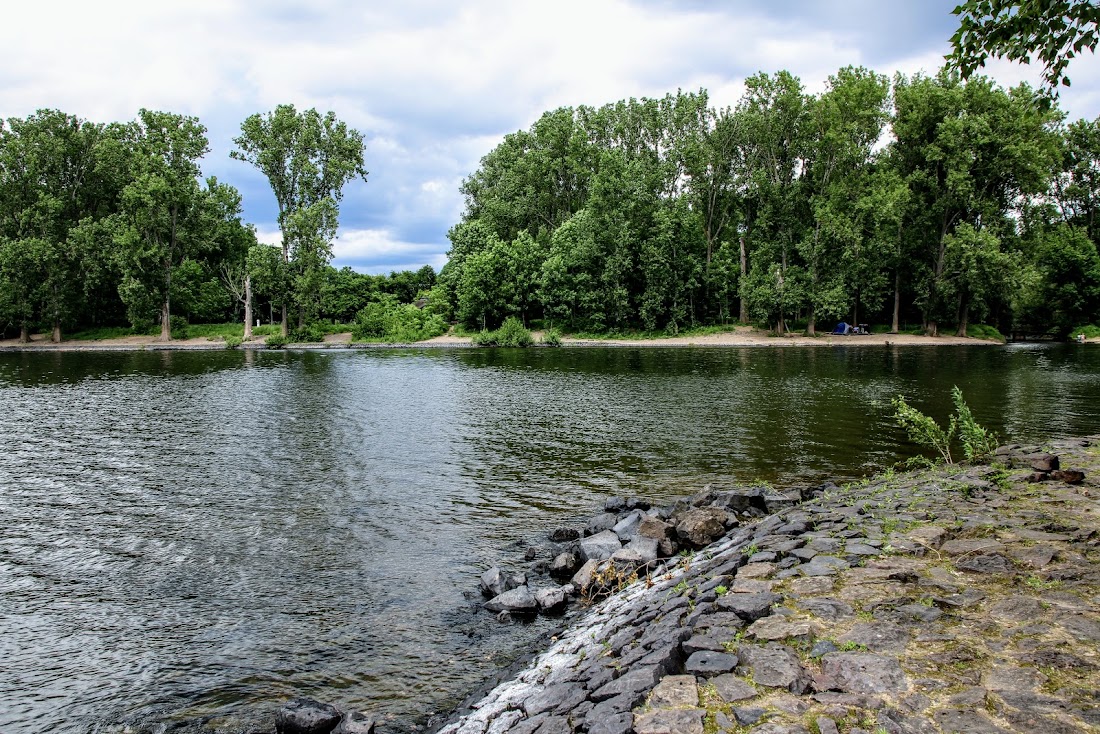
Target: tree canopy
{"type": "Point", "coordinates": [1051, 32]}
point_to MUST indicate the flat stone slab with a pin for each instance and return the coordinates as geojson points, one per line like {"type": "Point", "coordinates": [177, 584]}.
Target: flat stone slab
{"type": "Point", "coordinates": [877, 636]}
{"type": "Point", "coordinates": [863, 672]}
{"type": "Point", "coordinates": [675, 692]}
{"type": "Point", "coordinates": [732, 689]}
{"type": "Point", "coordinates": [971, 546]}
{"type": "Point", "coordinates": [681, 721]}
{"type": "Point", "coordinates": [749, 607]}
{"type": "Point", "coordinates": [707, 663]}
{"type": "Point", "coordinates": [756, 570]}
{"type": "Point", "coordinates": [987, 563]}
{"type": "Point", "coordinates": [774, 666]}
{"type": "Point", "coordinates": [778, 628]}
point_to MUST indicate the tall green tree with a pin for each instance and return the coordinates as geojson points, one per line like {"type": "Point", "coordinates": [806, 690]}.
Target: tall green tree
{"type": "Point", "coordinates": [307, 158]}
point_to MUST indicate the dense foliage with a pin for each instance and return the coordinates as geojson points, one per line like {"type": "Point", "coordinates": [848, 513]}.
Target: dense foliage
{"type": "Point", "coordinates": [921, 200]}
{"type": "Point", "coordinates": [109, 224]}
{"type": "Point", "coordinates": [1050, 31]}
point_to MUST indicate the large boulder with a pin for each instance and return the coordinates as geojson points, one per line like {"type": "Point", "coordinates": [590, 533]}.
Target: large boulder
{"type": "Point", "coordinates": [600, 523]}
{"type": "Point", "coordinates": [627, 528]}
{"type": "Point", "coordinates": [306, 716]}
{"type": "Point", "coordinates": [563, 535]}
{"type": "Point", "coordinates": [564, 565]}
{"type": "Point", "coordinates": [584, 577]}
{"type": "Point", "coordinates": [495, 582]}
{"type": "Point", "coordinates": [550, 600]}
{"type": "Point", "coordinates": [599, 547]}
{"type": "Point", "coordinates": [702, 525]}
{"type": "Point", "coordinates": [515, 601]}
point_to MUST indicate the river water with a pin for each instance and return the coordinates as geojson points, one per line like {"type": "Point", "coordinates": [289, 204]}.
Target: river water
{"type": "Point", "coordinates": [189, 539]}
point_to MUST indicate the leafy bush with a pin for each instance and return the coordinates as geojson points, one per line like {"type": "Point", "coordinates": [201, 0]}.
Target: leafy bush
{"type": "Point", "coordinates": [276, 341]}
{"type": "Point", "coordinates": [976, 440]}
{"type": "Point", "coordinates": [232, 342]}
{"type": "Point", "coordinates": [265, 330]}
{"type": "Point", "coordinates": [178, 326]}
{"type": "Point", "coordinates": [388, 321]}
{"type": "Point", "coordinates": [1090, 331]}
{"type": "Point", "coordinates": [511, 333]}
{"type": "Point", "coordinates": [982, 331]}
{"type": "Point", "coordinates": [306, 334]}
{"type": "Point", "coordinates": [551, 338]}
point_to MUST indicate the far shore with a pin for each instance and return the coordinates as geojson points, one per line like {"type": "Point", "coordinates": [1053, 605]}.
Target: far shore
{"type": "Point", "coordinates": [742, 336]}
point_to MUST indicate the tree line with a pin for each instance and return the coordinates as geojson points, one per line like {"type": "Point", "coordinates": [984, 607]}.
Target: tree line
{"type": "Point", "coordinates": [924, 200]}
{"type": "Point", "coordinates": [105, 224]}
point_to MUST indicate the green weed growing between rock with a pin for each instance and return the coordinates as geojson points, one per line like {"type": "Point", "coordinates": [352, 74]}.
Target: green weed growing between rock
{"type": "Point", "coordinates": [976, 440]}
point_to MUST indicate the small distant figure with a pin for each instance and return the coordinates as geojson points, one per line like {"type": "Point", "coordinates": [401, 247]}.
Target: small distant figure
{"type": "Point", "coordinates": [1080, 338]}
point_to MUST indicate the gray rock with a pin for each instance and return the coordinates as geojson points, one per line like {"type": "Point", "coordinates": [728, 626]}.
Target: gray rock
{"type": "Point", "coordinates": [749, 607]}
{"type": "Point", "coordinates": [821, 648]}
{"type": "Point", "coordinates": [970, 721]}
{"type": "Point", "coordinates": [646, 548]}
{"type": "Point", "coordinates": [701, 526]}
{"type": "Point", "coordinates": [774, 666]}
{"type": "Point", "coordinates": [564, 565]}
{"type": "Point", "coordinates": [550, 600]}
{"type": "Point", "coordinates": [611, 724]}
{"type": "Point", "coordinates": [748, 715]}
{"type": "Point", "coordinates": [917, 613]}
{"type": "Point", "coordinates": [557, 698]}
{"type": "Point", "coordinates": [877, 636]}
{"type": "Point", "coordinates": [583, 578]}
{"type": "Point", "coordinates": [495, 582]}
{"type": "Point", "coordinates": [826, 608]}
{"type": "Point", "coordinates": [740, 499]}
{"type": "Point", "coordinates": [356, 722]}
{"type": "Point", "coordinates": [732, 689]}
{"type": "Point", "coordinates": [627, 528]}
{"type": "Point", "coordinates": [626, 560]}
{"type": "Point", "coordinates": [514, 601]}
{"type": "Point", "coordinates": [707, 663]}
{"type": "Point", "coordinates": [675, 692]}
{"type": "Point", "coordinates": [665, 721]}
{"type": "Point", "coordinates": [653, 527]}
{"type": "Point", "coordinates": [635, 683]}
{"type": "Point", "coordinates": [306, 716]}
{"type": "Point", "coordinates": [599, 547]}
{"type": "Point", "coordinates": [823, 566]}
{"type": "Point", "coordinates": [714, 639]}
{"type": "Point", "coordinates": [863, 672]}
{"type": "Point", "coordinates": [563, 535]}
{"type": "Point", "coordinates": [601, 523]}
{"type": "Point", "coordinates": [988, 563]}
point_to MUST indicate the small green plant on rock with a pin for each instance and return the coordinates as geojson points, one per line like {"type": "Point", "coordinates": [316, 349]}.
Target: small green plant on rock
{"type": "Point", "coordinates": [976, 440]}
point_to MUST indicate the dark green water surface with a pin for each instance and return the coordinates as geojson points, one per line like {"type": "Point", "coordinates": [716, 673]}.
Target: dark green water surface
{"type": "Point", "coordinates": [189, 539]}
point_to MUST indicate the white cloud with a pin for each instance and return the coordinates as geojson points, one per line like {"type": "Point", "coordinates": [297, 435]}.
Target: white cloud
{"type": "Point", "coordinates": [435, 85]}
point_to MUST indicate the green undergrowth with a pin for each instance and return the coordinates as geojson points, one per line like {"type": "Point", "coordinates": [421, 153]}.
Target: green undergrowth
{"type": "Point", "coordinates": [986, 332]}
{"type": "Point", "coordinates": [1090, 331]}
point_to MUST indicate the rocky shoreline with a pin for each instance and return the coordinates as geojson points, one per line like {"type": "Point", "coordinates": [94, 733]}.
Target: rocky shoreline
{"type": "Point", "coordinates": [957, 599]}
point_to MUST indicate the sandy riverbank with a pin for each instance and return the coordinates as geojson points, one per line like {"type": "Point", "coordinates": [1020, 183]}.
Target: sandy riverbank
{"type": "Point", "coordinates": [743, 336]}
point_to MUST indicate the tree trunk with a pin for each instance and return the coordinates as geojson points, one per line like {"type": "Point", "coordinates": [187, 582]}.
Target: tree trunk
{"type": "Point", "coordinates": [897, 302]}
{"type": "Point", "coordinates": [285, 326]}
{"type": "Point", "coordinates": [964, 314]}
{"type": "Point", "coordinates": [247, 308]}
{"type": "Point", "coordinates": [811, 325]}
{"type": "Point", "coordinates": [56, 336]}
{"type": "Point", "coordinates": [932, 329]}
{"type": "Point", "coordinates": [24, 334]}
{"type": "Point", "coordinates": [743, 314]}
{"type": "Point", "coordinates": [165, 321]}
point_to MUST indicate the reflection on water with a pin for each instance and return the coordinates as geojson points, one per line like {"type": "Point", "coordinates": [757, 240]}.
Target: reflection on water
{"type": "Point", "coordinates": [197, 537]}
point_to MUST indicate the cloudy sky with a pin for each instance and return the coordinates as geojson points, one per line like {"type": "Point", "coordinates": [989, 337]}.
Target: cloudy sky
{"type": "Point", "coordinates": [435, 85]}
